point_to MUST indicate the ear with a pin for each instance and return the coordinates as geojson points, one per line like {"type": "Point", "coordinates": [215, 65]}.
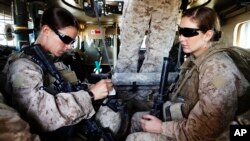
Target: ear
{"type": "Point", "coordinates": [209, 35]}
{"type": "Point", "coordinates": [45, 30]}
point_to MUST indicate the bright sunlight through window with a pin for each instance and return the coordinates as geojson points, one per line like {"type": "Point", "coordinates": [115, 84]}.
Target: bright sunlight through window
{"type": "Point", "coordinates": [242, 35]}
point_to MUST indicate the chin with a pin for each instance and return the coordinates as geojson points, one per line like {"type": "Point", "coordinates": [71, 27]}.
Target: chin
{"type": "Point", "coordinates": [57, 55]}
{"type": "Point", "coordinates": [186, 50]}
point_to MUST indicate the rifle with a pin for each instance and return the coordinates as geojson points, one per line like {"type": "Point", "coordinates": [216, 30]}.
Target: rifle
{"type": "Point", "coordinates": [161, 97]}
{"type": "Point", "coordinates": [90, 127]}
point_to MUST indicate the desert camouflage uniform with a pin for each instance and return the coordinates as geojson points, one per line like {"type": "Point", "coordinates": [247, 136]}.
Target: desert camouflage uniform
{"type": "Point", "coordinates": [47, 112]}
{"type": "Point", "coordinates": [12, 127]}
{"type": "Point", "coordinates": [159, 18]}
{"type": "Point", "coordinates": [210, 101]}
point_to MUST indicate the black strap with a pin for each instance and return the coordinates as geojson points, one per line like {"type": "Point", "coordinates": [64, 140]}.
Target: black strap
{"type": "Point", "coordinates": [40, 57]}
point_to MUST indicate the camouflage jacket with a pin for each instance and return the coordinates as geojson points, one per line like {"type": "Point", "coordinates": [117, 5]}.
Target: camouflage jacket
{"type": "Point", "coordinates": [210, 96]}
{"type": "Point", "coordinates": [12, 127]}
{"type": "Point", "coordinates": [25, 80]}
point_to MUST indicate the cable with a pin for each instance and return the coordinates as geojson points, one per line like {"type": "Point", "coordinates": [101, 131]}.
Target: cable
{"type": "Point", "coordinates": [102, 34]}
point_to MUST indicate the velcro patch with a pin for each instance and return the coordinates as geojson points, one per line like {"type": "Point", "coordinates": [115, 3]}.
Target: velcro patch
{"type": "Point", "coordinates": [219, 81]}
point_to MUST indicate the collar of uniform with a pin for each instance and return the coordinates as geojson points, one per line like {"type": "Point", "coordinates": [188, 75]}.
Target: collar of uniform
{"type": "Point", "coordinates": [203, 56]}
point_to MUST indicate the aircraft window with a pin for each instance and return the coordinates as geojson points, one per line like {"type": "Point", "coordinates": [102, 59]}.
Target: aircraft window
{"type": "Point", "coordinates": [242, 35]}
{"type": "Point", "coordinates": [6, 25]}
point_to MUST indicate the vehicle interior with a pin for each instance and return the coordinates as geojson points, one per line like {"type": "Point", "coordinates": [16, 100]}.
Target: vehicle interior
{"type": "Point", "coordinates": [231, 12]}
{"type": "Point", "coordinates": [234, 16]}
{"type": "Point", "coordinates": [97, 45]}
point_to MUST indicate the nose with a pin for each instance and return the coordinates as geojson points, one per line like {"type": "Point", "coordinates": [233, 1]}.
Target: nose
{"type": "Point", "coordinates": [181, 37]}
{"type": "Point", "coordinates": [68, 46]}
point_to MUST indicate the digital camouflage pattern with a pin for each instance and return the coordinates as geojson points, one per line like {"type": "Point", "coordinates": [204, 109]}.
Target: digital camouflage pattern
{"type": "Point", "coordinates": [12, 127]}
{"type": "Point", "coordinates": [44, 111]}
{"type": "Point", "coordinates": [159, 19]}
{"type": "Point", "coordinates": [210, 101]}
{"type": "Point", "coordinates": [25, 81]}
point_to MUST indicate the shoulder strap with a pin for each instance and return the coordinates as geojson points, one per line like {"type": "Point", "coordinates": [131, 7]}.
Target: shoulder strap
{"type": "Point", "coordinates": [42, 59]}
{"type": "Point", "coordinates": [186, 77]}
{"type": "Point", "coordinates": [39, 57]}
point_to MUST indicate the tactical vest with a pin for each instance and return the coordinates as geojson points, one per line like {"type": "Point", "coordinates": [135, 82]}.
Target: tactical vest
{"type": "Point", "coordinates": [60, 79]}
{"type": "Point", "coordinates": [179, 106]}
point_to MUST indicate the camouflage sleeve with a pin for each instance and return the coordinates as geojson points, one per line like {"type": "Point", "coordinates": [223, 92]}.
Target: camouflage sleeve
{"type": "Point", "coordinates": [12, 127]}
{"type": "Point", "coordinates": [218, 85]}
{"type": "Point", "coordinates": [24, 82]}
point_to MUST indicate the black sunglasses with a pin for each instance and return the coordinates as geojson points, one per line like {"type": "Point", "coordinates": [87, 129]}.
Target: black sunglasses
{"type": "Point", "coordinates": [188, 32]}
{"type": "Point", "coordinates": [66, 39]}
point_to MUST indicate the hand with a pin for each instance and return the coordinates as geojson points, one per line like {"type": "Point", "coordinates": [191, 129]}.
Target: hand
{"type": "Point", "coordinates": [101, 89]}
{"type": "Point", "coordinates": [151, 124]}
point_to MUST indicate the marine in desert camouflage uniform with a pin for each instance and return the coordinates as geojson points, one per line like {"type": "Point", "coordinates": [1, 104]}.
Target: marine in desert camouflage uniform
{"type": "Point", "coordinates": [204, 101]}
{"type": "Point", "coordinates": [12, 127]}
{"type": "Point", "coordinates": [159, 18]}
{"type": "Point", "coordinates": [26, 79]}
